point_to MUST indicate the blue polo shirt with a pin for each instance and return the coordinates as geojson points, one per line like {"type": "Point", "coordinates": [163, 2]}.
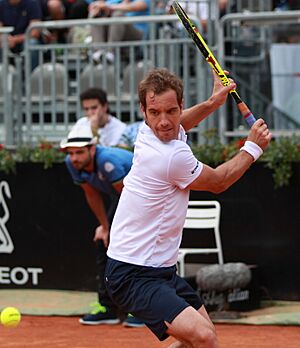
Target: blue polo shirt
{"type": "Point", "coordinates": [19, 16]}
{"type": "Point", "coordinates": [111, 165]}
{"type": "Point", "coordinates": [144, 27]}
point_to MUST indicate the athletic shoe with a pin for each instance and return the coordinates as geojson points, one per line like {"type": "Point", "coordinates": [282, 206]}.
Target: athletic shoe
{"type": "Point", "coordinates": [99, 56]}
{"type": "Point", "coordinates": [131, 321]}
{"type": "Point", "coordinates": [100, 315]}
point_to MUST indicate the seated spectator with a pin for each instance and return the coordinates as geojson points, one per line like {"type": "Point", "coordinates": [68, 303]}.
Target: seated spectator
{"type": "Point", "coordinates": [285, 5]}
{"type": "Point", "coordinates": [281, 5]}
{"type": "Point", "coordinates": [118, 32]}
{"type": "Point", "coordinates": [107, 127]}
{"type": "Point", "coordinates": [201, 10]}
{"type": "Point", "coordinates": [129, 135]}
{"type": "Point", "coordinates": [53, 9]}
{"type": "Point", "coordinates": [19, 14]}
{"type": "Point", "coordinates": [80, 8]}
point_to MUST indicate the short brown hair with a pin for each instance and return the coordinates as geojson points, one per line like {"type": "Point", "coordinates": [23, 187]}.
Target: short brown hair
{"type": "Point", "coordinates": [94, 93]}
{"type": "Point", "coordinates": [159, 81]}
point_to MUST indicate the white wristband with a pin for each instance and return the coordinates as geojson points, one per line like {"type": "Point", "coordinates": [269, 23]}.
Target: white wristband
{"type": "Point", "coordinates": [253, 149]}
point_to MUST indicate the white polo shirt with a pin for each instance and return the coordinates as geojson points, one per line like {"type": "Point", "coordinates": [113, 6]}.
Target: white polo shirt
{"type": "Point", "coordinates": [147, 226]}
{"type": "Point", "coordinates": [110, 134]}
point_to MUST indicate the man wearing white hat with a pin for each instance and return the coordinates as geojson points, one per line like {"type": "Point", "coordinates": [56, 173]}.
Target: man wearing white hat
{"type": "Point", "coordinates": [98, 170]}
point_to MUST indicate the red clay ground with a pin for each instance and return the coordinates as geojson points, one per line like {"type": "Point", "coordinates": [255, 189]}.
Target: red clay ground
{"type": "Point", "coordinates": [66, 332]}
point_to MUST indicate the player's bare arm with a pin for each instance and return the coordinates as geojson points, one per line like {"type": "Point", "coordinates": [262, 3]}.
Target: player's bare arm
{"type": "Point", "coordinates": [219, 179]}
{"type": "Point", "coordinates": [197, 113]}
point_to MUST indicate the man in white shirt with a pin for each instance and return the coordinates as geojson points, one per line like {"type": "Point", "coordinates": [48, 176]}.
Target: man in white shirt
{"type": "Point", "coordinates": [146, 231]}
{"type": "Point", "coordinates": [108, 128]}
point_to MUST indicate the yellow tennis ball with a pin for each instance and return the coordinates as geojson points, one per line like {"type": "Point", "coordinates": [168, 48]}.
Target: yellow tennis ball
{"type": "Point", "coordinates": [10, 317]}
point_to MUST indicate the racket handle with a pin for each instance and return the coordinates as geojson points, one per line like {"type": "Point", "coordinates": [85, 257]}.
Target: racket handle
{"type": "Point", "coordinates": [245, 111]}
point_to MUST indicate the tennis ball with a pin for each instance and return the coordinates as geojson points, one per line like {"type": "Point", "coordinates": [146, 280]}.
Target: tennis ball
{"type": "Point", "coordinates": [10, 317]}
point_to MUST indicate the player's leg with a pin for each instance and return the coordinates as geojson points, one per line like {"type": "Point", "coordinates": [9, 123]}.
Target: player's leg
{"type": "Point", "coordinates": [193, 328]}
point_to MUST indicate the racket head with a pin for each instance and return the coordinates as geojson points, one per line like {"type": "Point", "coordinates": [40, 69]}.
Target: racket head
{"type": "Point", "coordinates": [191, 29]}
{"type": "Point", "coordinates": [197, 38]}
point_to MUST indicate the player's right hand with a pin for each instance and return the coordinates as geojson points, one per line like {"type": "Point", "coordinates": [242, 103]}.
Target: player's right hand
{"type": "Point", "coordinates": [260, 134]}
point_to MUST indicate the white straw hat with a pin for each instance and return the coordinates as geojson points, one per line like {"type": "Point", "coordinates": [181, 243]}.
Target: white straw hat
{"type": "Point", "coordinates": [79, 136]}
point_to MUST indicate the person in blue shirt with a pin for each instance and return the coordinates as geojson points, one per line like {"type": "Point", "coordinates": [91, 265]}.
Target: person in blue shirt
{"type": "Point", "coordinates": [19, 14]}
{"type": "Point", "coordinates": [120, 31]}
{"type": "Point", "coordinates": [100, 171]}
{"type": "Point", "coordinates": [80, 8]}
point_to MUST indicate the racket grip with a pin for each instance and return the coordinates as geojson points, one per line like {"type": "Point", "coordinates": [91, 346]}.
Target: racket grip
{"type": "Point", "coordinates": [245, 111]}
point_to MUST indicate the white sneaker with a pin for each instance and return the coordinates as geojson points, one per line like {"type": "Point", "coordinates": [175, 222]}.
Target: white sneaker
{"type": "Point", "coordinates": [96, 56]}
{"type": "Point", "coordinates": [110, 57]}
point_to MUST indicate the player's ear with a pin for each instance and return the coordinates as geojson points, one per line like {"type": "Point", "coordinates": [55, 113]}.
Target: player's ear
{"type": "Point", "coordinates": [105, 107]}
{"type": "Point", "coordinates": [93, 150]}
{"type": "Point", "coordinates": [143, 111]}
{"type": "Point", "coordinates": [181, 105]}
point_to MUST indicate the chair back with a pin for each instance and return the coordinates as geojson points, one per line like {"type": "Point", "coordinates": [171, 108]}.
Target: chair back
{"type": "Point", "coordinates": [48, 79]}
{"type": "Point", "coordinates": [98, 76]}
{"type": "Point", "coordinates": [203, 214]}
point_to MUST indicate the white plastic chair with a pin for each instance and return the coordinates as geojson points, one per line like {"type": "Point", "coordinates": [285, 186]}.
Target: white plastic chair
{"type": "Point", "coordinates": [202, 215]}
{"type": "Point", "coordinates": [46, 77]}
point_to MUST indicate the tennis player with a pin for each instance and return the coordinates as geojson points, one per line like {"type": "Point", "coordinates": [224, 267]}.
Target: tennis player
{"type": "Point", "coordinates": [146, 231]}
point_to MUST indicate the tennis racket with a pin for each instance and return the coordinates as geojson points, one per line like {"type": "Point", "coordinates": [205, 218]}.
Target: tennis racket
{"type": "Point", "coordinates": [211, 59]}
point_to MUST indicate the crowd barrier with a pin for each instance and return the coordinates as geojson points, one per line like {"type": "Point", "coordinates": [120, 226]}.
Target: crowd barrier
{"type": "Point", "coordinates": [245, 42]}
{"type": "Point", "coordinates": [43, 103]}
{"type": "Point", "coordinates": [46, 104]}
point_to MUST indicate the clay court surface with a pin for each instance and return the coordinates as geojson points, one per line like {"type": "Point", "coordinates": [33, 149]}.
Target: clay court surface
{"type": "Point", "coordinates": [63, 332]}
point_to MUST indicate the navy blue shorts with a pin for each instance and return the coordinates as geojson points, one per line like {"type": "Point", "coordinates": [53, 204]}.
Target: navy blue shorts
{"type": "Point", "coordinates": [153, 295]}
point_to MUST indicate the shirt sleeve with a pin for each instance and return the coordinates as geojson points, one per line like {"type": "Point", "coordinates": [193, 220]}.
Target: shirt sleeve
{"type": "Point", "coordinates": [112, 168]}
{"type": "Point", "coordinates": [184, 167]}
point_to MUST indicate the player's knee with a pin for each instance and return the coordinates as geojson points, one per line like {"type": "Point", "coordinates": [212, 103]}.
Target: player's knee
{"type": "Point", "coordinates": [205, 338]}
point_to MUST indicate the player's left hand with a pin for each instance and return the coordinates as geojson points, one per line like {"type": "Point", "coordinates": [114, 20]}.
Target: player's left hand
{"type": "Point", "coordinates": [101, 233]}
{"type": "Point", "coordinates": [220, 92]}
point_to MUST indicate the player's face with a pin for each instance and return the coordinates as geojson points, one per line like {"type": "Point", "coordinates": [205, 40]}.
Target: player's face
{"type": "Point", "coordinates": [96, 112]}
{"type": "Point", "coordinates": [81, 157]}
{"type": "Point", "coordinates": [162, 114]}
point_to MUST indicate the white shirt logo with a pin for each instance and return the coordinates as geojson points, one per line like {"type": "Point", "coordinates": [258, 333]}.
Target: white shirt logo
{"type": "Point", "coordinates": [109, 167]}
{"type": "Point", "coordinates": [6, 244]}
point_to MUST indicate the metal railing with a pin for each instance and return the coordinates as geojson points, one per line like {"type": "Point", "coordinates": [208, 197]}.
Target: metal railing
{"type": "Point", "coordinates": [253, 69]}
{"type": "Point", "coordinates": [6, 88]}
{"type": "Point", "coordinates": [44, 103]}
{"type": "Point", "coordinates": [249, 5]}
{"type": "Point", "coordinates": [50, 113]}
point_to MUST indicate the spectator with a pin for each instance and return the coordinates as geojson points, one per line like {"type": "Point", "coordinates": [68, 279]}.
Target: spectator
{"type": "Point", "coordinates": [19, 14]}
{"type": "Point", "coordinates": [53, 9]}
{"type": "Point", "coordinates": [129, 135]}
{"type": "Point", "coordinates": [203, 10]}
{"type": "Point", "coordinates": [99, 171]}
{"type": "Point", "coordinates": [107, 127]}
{"type": "Point", "coordinates": [56, 10]}
{"type": "Point", "coordinates": [80, 8]}
{"type": "Point", "coordinates": [118, 32]}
